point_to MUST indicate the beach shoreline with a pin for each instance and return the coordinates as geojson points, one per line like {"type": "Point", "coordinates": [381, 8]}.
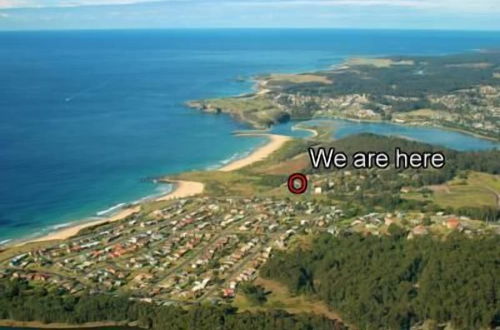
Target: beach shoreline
{"type": "Point", "coordinates": [274, 143]}
{"type": "Point", "coordinates": [181, 189]}
{"type": "Point", "coordinates": [73, 229]}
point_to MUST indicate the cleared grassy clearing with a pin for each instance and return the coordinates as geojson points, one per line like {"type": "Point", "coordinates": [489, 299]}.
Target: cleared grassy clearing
{"type": "Point", "coordinates": [378, 62]}
{"type": "Point", "coordinates": [280, 297]}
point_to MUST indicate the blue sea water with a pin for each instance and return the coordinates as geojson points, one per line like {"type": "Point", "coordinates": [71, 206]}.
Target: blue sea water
{"type": "Point", "coordinates": [86, 116]}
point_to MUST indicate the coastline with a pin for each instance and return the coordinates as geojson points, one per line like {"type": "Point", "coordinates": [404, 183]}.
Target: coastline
{"type": "Point", "coordinates": [184, 189]}
{"type": "Point", "coordinates": [181, 189]}
{"type": "Point", "coordinates": [275, 142]}
{"type": "Point", "coordinates": [72, 230]}
{"type": "Point", "coordinates": [260, 88]}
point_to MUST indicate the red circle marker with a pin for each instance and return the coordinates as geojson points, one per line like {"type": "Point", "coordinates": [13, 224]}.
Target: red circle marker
{"type": "Point", "coordinates": [303, 183]}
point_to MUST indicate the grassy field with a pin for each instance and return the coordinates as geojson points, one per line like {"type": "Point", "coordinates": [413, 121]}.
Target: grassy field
{"type": "Point", "coordinates": [257, 110]}
{"type": "Point", "coordinates": [297, 78]}
{"type": "Point", "coordinates": [423, 114]}
{"type": "Point", "coordinates": [377, 62]}
{"type": "Point", "coordinates": [235, 183]}
{"type": "Point", "coordinates": [244, 103]}
{"type": "Point", "coordinates": [479, 189]}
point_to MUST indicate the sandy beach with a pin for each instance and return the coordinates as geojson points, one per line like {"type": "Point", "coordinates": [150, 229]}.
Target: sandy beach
{"type": "Point", "coordinates": [275, 142]}
{"type": "Point", "coordinates": [190, 188]}
{"type": "Point", "coordinates": [182, 188]}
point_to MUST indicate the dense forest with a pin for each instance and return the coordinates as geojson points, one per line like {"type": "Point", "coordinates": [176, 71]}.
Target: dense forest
{"type": "Point", "coordinates": [22, 301]}
{"type": "Point", "coordinates": [449, 74]}
{"type": "Point", "coordinates": [392, 282]}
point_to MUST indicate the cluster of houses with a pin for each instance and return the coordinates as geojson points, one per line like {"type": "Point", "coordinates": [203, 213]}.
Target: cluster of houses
{"type": "Point", "coordinates": [189, 250]}
{"type": "Point", "coordinates": [417, 224]}
{"type": "Point", "coordinates": [200, 249]}
{"type": "Point", "coordinates": [475, 108]}
{"type": "Point", "coordinates": [349, 105]}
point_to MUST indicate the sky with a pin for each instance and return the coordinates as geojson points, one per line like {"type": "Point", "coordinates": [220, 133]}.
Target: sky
{"type": "Point", "coordinates": [364, 14]}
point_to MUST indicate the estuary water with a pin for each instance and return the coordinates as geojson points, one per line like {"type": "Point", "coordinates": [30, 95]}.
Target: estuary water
{"type": "Point", "coordinates": [432, 135]}
{"type": "Point", "coordinates": [88, 117]}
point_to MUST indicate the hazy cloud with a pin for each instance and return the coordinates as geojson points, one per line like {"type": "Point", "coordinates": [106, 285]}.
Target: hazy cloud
{"type": "Point", "coordinates": [448, 5]}
{"type": "Point", "coordinates": [10, 4]}
{"type": "Point", "coordinates": [454, 5]}
{"type": "Point", "coordinates": [329, 3]}
{"type": "Point", "coordinates": [426, 14]}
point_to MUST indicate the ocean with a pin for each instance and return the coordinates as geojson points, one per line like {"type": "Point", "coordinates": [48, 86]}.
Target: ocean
{"type": "Point", "coordinates": [88, 117]}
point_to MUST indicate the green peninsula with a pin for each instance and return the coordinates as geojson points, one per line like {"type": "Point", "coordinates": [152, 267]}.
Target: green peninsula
{"type": "Point", "coordinates": [456, 91]}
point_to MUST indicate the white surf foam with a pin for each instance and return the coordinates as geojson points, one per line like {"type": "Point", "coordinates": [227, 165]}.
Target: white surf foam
{"type": "Point", "coordinates": [60, 226]}
{"type": "Point", "coordinates": [111, 209]}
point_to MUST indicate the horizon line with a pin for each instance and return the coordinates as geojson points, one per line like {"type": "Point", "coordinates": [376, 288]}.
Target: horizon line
{"type": "Point", "coordinates": [249, 28]}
